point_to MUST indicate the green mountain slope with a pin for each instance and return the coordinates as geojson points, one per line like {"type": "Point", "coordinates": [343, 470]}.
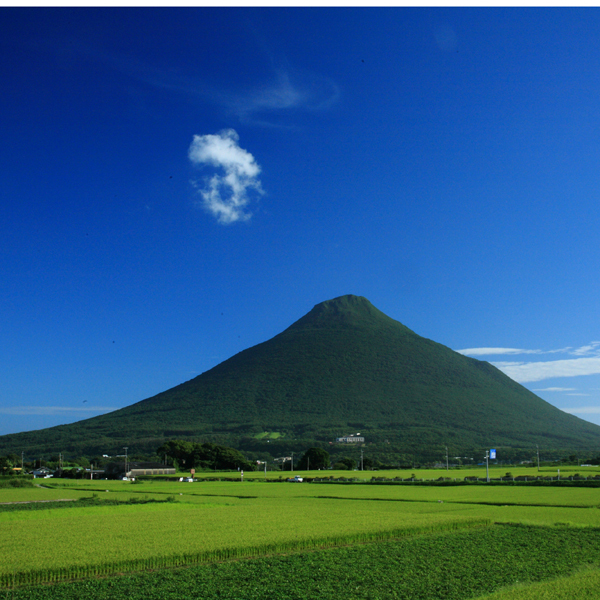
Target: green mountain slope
{"type": "Point", "coordinates": [344, 366]}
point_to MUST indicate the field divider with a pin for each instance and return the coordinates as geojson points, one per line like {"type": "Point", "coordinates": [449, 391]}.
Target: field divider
{"type": "Point", "coordinates": [38, 501]}
{"type": "Point", "coordinates": [476, 502]}
{"type": "Point", "coordinates": [146, 491]}
{"type": "Point", "coordinates": [68, 573]}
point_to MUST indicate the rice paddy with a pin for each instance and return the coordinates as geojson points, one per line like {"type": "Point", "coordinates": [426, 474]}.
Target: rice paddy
{"type": "Point", "coordinates": [213, 521]}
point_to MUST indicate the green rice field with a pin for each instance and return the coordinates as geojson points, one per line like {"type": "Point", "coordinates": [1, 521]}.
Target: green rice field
{"type": "Point", "coordinates": [153, 533]}
{"type": "Point", "coordinates": [495, 471]}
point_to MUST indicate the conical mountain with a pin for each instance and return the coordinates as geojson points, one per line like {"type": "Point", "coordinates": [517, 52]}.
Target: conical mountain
{"type": "Point", "coordinates": [344, 366]}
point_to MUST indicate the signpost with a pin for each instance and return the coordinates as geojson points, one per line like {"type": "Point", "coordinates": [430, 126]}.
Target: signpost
{"type": "Point", "coordinates": [489, 454]}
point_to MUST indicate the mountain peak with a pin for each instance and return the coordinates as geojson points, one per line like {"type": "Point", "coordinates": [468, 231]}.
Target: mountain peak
{"type": "Point", "coordinates": [345, 310]}
{"type": "Point", "coordinates": [348, 300]}
{"type": "Point", "coordinates": [348, 304]}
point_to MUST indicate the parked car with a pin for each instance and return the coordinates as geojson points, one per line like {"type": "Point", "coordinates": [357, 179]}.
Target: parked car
{"type": "Point", "coordinates": [295, 479]}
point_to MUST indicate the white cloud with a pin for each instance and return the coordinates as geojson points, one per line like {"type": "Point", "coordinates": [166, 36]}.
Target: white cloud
{"type": "Point", "coordinates": [554, 389]}
{"type": "Point", "coordinates": [290, 89]}
{"type": "Point", "coordinates": [515, 351]}
{"type": "Point", "coordinates": [496, 351]}
{"type": "Point", "coordinates": [587, 362]}
{"type": "Point", "coordinates": [226, 194]}
{"type": "Point", "coordinates": [583, 350]}
{"type": "Point", "coordinates": [283, 91]}
{"type": "Point", "coordinates": [52, 410]}
{"type": "Point", "coordinates": [583, 410]}
{"type": "Point", "coordinates": [537, 371]}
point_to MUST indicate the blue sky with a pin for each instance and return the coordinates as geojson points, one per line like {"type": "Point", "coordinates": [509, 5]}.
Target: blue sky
{"type": "Point", "coordinates": [181, 184]}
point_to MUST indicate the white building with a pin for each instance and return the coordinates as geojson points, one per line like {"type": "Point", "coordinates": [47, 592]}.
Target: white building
{"type": "Point", "coordinates": [351, 439]}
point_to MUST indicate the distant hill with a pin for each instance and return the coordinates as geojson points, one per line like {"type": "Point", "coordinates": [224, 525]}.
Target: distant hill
{"type": "Point", "coordinates": [345, 367]}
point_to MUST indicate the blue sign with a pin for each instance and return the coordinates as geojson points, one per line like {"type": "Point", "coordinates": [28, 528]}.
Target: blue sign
{"type": "Point", "coordinates": [492, 454]}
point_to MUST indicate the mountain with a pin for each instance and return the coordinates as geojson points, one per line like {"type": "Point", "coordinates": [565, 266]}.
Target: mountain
{"type": "Point", "coordinates": [344, 367]}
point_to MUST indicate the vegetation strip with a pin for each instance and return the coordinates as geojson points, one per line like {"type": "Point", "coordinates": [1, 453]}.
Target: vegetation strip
{"type": "Point", "coordinates": [469, 502]}
{"type": "Point", "coordinates": [532, 482]}
{"type": "Point", "coordinates": [76, 503]}
{"type": "Point", "coordinates": [145, 491]}
{"type": "Point", "coordinates": [39, 501]}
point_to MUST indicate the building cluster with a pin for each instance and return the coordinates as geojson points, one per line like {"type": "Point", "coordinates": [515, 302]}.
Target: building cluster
{"type": "Point", "coordinates": [127, 470]}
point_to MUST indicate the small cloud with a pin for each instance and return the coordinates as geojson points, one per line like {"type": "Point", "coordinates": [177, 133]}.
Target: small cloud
{"type": "Point", "coordinates": [285, 89]}
{"type": "Point", "coordinates": [524, 372]}
{"type": "Point", "coordinates": [496, 351]}
{"type": "Point", "coordinates": [289, 89]}
{"type": "Point", "coordinates": [554, 389]}
{"type": "Point", "coordinates": [585, 350]}
{"type": "Point", "coordinates": [226, 195]}
{"type": "Point", "coordinates": [52, 410]}
{"type": "Point", "coordinates": [583, 410]}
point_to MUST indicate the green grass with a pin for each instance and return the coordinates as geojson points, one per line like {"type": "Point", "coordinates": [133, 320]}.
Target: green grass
{"type": "Point", "coordinates": [54, 544]}
{"type": "Point", "coordinates": [442, 566]}
{"type": "Point", "coordinates": [268, 435]}
{"type": "Point", "coordinates": [420, 474]}
{"type": "Point", "coordinates": [584, 585]}
{"type": "Point", "coordinates": [37, 494]}
{"type": "Point", "coordinates": [540, 506]}
{"type": "Point", "coordinates": [214, 521]}
{"type": "Point", "coordinates": [502, 495]}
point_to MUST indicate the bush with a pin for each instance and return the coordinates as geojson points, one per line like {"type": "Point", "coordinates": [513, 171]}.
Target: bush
{"type": "Point", "coordinates": [15, 482]}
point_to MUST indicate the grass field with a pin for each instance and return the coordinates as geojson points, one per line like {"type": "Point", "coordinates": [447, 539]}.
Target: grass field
{"type": "Point", "coordinates": [214, 521]}
{"type": "Point", "coordinates": [507, 561]}
{"type": "Point", "coordinates": [584, 585]}
{"type": "Point", "coordinates": [495, 471]}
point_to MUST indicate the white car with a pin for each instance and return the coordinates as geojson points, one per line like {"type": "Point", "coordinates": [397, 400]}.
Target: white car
{"type": "Point", "coordinates": [296, 479]}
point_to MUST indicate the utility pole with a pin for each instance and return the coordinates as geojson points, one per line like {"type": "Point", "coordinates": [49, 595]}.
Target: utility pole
{"type": "Point", "coordinates": [538, 455]}
{"type": "Point", "coordinates": [262, 462]}
{"type": "Point", "coordinates": [125, 448]}
{"type": "Point", "coordinates": [487, 465]}
{"type": "Point", "coordinates": [447, 458]}
{"type": "Point", "coordinates": [22, 454]}
{"type": "Point", "coordinates": [361, 460]}
{"type": "Point", "coordinates": [292, 462]}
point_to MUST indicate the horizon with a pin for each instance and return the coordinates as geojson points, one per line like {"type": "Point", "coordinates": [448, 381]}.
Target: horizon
{"type": "Point", "coordinates": [183, 184]}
